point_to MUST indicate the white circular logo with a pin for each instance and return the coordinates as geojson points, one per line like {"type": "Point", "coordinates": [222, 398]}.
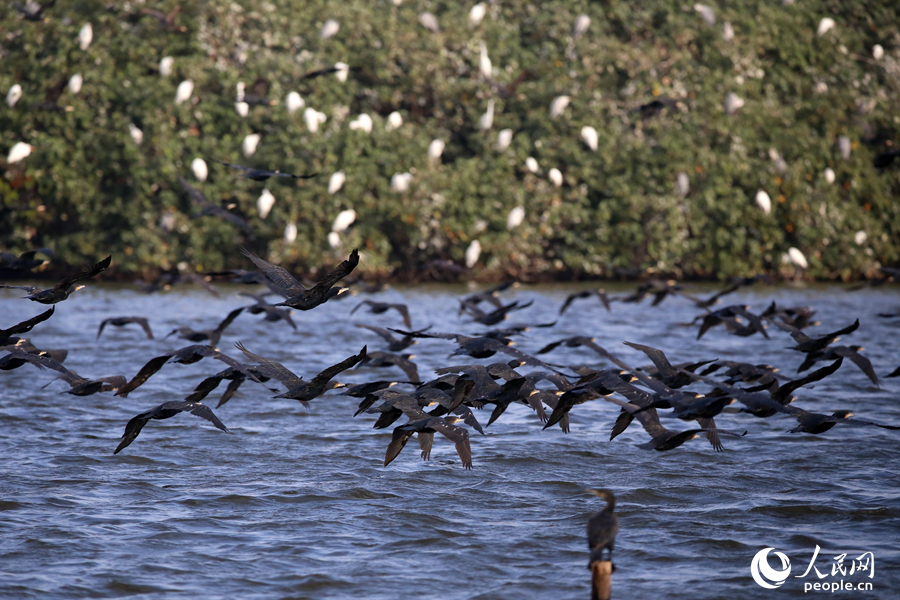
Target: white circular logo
{"type": "Point", "coordinates": [763, 573]}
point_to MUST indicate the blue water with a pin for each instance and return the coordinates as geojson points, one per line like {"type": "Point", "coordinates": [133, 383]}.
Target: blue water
{"type": "Point", "coordinates": [295, 503]}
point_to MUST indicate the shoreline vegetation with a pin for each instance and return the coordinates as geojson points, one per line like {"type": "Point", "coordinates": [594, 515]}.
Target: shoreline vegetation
{"type": "Point", "coordinates": [658, 139]}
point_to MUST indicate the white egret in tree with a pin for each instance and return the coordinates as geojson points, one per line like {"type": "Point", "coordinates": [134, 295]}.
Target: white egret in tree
{"type": "Point", "coordinates": [137, 136]}
{"type": "Point", "coordinates": [201, 171]}
{"type": "Point", "coordinates": [242, 109]}
{"type": "Point", "coordinates": [341, 70]}
{"type": "Point", "coordinates": [559, 105]}
{"type": "Point", "coordinates": [472, 253]}
{"type": "Point", "coordinates": [400, 182]}
{"type": "Point", "coordinates": [184, 91]}
{"type": "Point", "coordinates": [19, 151]}
{"type": "Point", "coordinates": [589, 135]}
{"type": "Point", "coordinates": [515, 217]}
{"type": "Point", "coordinates": [796, 257]}
{"type": "Point", "coordinates": [336, 182]}
{"type": "Point", "coordinates": [504, 139]}
{"type": "Point", "coordinates": [582, 22]}
{"type": "Point", "coordinates": [825, 25]}
{"type": "Point", "coordinates": [708, 14]}
{"type": "Point", "coordinates": [532, 165]}
{"type": "Point", "coordinates": [13, 95]}
{"type": "Point", "coordinates": [435, 149]}
{"type": "Point", "coordinates": [877, 52]}
{"type": "Point", "coordinates": [682, 184]}
{"type": "Point", "coordinates": [313, 119]}
{"type": "Point", "coordinates": [165, 66]}
{"type": "Point", "coordinates": [85, 36]}
{"type": "Point", "coordinates": [763, 201]}
{"type": "Point", "coordinates": [484, 62]}
{"type": "Point", "coordinates": [294, 102]}
{"type": "Point", "coordinates": [487, 119]}
{"type": "Point", "coordinates": [344, 220]}
{"type": "Point", "coordinates": [477, 13]}
{"type": "Point", "coordinates": [429, 22]}
{"type": "Point", "coordinates": [829, 175]}
{"type": "Point", "coordinates": [362, 123]}
{"type": "Point", "coordinates": [290, 233]}
{"type": "Point", "coordinates": [732, 103]}
{"type": "Point", "coordinates": [844, 146]}
{"type": "Point", "coordinates": [555, 177]}
{"type": "Point", "coordinates": [248, 147]}
{"type": "Point", "coordinates": [264, 203]}
{"type": "Point", "coordinates": [75, 83]}
{"type": "Point", "coordinates": [330, 28]}
{"type": "Point", "coordinates": [394, 121]}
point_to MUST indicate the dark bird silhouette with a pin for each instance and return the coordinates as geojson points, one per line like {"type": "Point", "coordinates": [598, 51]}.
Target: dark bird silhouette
{"type": "Point", "coordinates": [712, 300]}
{"type": "Point", "coordinates": [10, 264]}
{"type": "Point", "coordinates": [81, 386]}
{"type": "Point", "coordinates": [446, 426]}
{"type": "Point", "coordinates": [389, 359]}
{"type": "Point", "coordinates": [491, 296]}
{"type": "Point", "coordinates": [300, 390]}
{"type": "Point", "coordinates": [495, 316]}
{"type": "Point", "coordinates": [799, 316]}
{"type": "Point", "coordinates": [815, 423]}
{"type": "Point", "coordinates": [378, 308]}
{"type": "Point", "coordinates": [122, 321]}
{"type": "Point", "coordinates": [256, 94]}
{"type": "Point", "coordinates": [885, 159]}
{"type": "Point", "coordinates": [207, 208]}
{"type": "Point", "coordinates": [657, 288]}
{"type": "Point", "coordinates": [8, 336]}
{"type": "Point", "coordinates": [666, 373]}
{"type": "Point", "coordinates": [851, 353]}
{"type": "Point", "coordinates": [263, 174]}
{"type": "Point", "coordinates": [729, 315]}
{"type": "Point", "coordinates": [210, 336]}
{"type": "Point", "coordinates": [235, 380]}
{"type": "Point", "coordinates": [298, 296]}
{"type": "Point", "coordinates": [394, 345]}
{"type": "Point", "coordinates": [509, 90]}
{"type": "Point", "coordinates": [602, 528]}
{"type": "Point", "coordinates": [61, 290]}
{"type": "Point", "coordinates": [272, 312]}
{"type": "Point", "coordinates": [601, 294]}
{"type": "Point", "coordinates": [326, 71]}
{"type": "Point", "coordinates": [809, 344]}
{"type": "Point", "coordinates": [185, 356]}
{"type": "Point", "coordinates": [657, 106]}
{"type": "Point", "coordinates": [166, 410]}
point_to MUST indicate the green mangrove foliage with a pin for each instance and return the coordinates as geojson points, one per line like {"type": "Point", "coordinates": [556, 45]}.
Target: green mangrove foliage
{"type": "Point", "coordinates": [810, 111]}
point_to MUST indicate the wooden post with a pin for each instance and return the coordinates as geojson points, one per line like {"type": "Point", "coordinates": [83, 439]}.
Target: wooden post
{"type": "Point", "coordinates": [601, 579]}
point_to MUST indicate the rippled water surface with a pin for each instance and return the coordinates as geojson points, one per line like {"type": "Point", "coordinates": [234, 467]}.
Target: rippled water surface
{"type": "Point", "coordinates": [295, 503]}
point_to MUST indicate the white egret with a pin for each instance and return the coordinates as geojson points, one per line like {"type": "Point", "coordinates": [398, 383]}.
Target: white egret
{"type": "Point", "coordinates": [877, 52]}
{"type": "Point", "coordinates": [589, 135]}
{"type": "Point", "coordinates": [13, 95]}
{"type": "Point", "coordinates": [85, 36]}
{"type": "Point", "coordinates": [240, 91]}
{"type": "Point", "coordinates": [330, 28]}
{"type": "Point", "coordinates": [343, 69]}
{"type": "Point", "coordinates": [362, 123]}
{"type": "Point", "coordinates": [796, 257]}
{"type": "Point", "coordinates": [75, 82]}
{"type": "Point", "coordinates": [394, 121]}
{"type": "Point", "coordinates": [486, 121]}
{"type": "Point", "coordinates": [294, 102]}
{"type": "Point", "coordinates": [682, 184]}
{"type": "Point", "coordinates": [555, 176]}
{"type": "Point", "coordinates": [829, 175]}
{"type": "Point", "coordinates": [18, 152]}
{"type": "Point", "coordinates": [248, 147]}
{"type": "Point", "coordinates": [504, 139]}
{"type": "Point", "coordinates": [559, 105]}
{"type": "Point", "coordinates": [477, 13]}
{"type": "Point", "coordinates": [165, 66]}
{"type": "Point", "coordinates": [825, 25]}
{"type": "Point", "coordinates": [844, 146]}
{"type": "Point", "coordinates": [290, 233]}
{"type": "Point", "coordinates": [860, 238]}
{"type": "Point", "coordinates": [515, 217]}
{"type": "Point", "coordinates": [763, 201]}
{"type": "Point", "coordinates": [201, 171]}
{"type": "Point", "coordinates": [313, 119]}
{"type": "Point", "coordinates": [264, 203]}
{"type": "Point", "coordinates": [732, 103]}
{"type": "Point", "coordinates": [484, 62]}
{"type": "Point", "coordinates": [708, 14]}
{"type": "Point", "coordinates": [137, 136]}
{"type": "Point", "coordinates": [336, 182]}
{"type": "Point", "coordinates": [400, 182]}
{"type": "Point", "coordinates": [344, 220]}
{"type": "Point", "coordinates": [472, 253]}
{"type": "Point", "coordinates": [435, 149]}
{"type": "Point", "coordinates": [532, 165]}
{"type": "Point", "coordinates": [582, 22]}
{"type": "Point", "coordinates": [242, 108]}
{"type": "Point", "coordinates": [727, 32]}
{"type": "Point", "coordinates": [334, 239]}
{"type": "Point", "coordinates": [429, 22]}
{"type": "Point", "coordinates": [184, 91]}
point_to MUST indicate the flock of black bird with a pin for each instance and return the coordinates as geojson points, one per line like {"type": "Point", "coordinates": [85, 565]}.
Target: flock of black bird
{"type": "Point", "coordinates": [445, 404]}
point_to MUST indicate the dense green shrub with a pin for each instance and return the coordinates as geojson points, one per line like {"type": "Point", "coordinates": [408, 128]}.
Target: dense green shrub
{"type": "Point", "coordinates": [89, 190]}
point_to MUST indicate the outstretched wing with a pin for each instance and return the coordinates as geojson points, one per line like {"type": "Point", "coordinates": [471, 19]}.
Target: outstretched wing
{"type": "Point", "coordinates": [339, 272]}
{"type": "Point", "coordinates": [152, 366]}
{"type": "Point", "coordinates": [279, 276]}
{"type": "Point", "coordinates": [332, 371]}
{"type": "Point", "coordinates": [271, 368]}
{"type": "Point", "coordinates": [25, 326]}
